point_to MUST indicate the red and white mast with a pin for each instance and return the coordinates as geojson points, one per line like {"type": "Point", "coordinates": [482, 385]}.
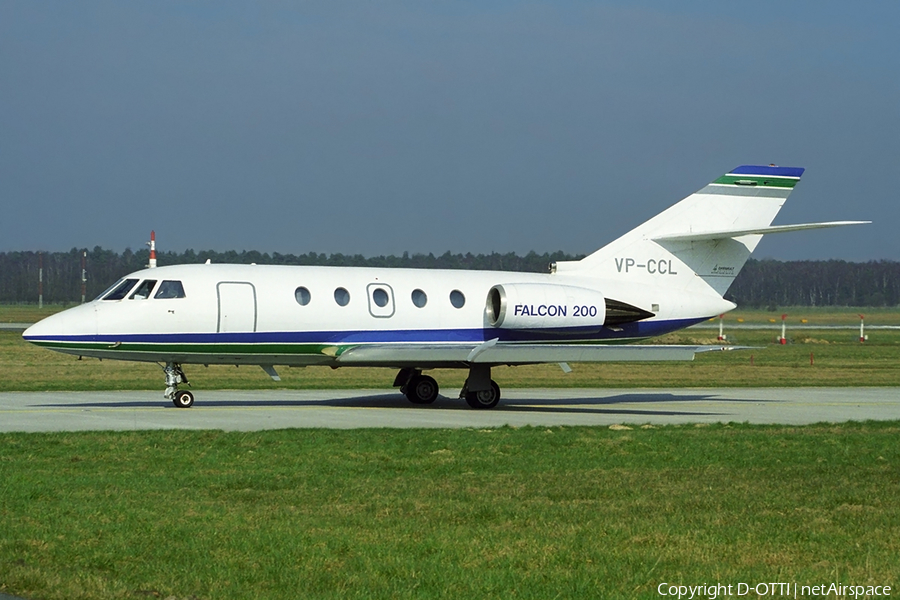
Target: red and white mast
{"type": "Point", "coordinates": [152, 244]}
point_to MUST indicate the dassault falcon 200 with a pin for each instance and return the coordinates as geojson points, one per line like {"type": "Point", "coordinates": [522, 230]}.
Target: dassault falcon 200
{"type": "Point", "coordinates": [669, 273]}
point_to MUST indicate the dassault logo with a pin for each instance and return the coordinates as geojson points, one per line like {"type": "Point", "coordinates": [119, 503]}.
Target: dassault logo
{"type": "Point", "coordinates": [718, 270]}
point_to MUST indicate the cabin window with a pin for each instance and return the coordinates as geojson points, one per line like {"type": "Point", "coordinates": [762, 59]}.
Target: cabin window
{"type": "Point", "coordinates": [380, 297]}
{"type": "Point", "coordinates": [302, 296]}
{"type": "Point", "coordinates": [342, 296]}
{"type": "Point", "coordinates": [419, 298]}
{"type": "Point", "coordinates": [457, 299]}
{"type": "Point", "coordinates": [121, 290]}
{"type": "Point", "coordinates": [170, 289]}
{"type": "Point", "coordinates": [143, 291]}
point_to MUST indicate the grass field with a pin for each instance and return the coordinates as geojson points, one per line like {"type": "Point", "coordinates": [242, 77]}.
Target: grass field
{"type": "Point", "coordinates": [838, 360]}
{"type": "Point", "coordinates": [503, 513]}
{"type": "Point", "coordinates": [500, 513]}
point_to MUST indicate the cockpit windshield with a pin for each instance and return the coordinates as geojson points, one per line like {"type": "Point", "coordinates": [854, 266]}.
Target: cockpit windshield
{"type": "Point", "coordinates": [109, 289]}
{"type": "Point", "coordinates": [143, 291]}
{"type": "Point", "coordinates": [120, 290]}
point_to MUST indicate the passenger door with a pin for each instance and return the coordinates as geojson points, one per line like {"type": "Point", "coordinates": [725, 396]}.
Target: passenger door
{"type": "Point", "coordinates": [237, 307]}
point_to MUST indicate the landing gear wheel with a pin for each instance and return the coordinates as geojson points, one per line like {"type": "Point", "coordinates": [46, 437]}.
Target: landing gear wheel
{"type": "Point", "coordinates": [174, 377]}
{"type": "Point", "coordinates": [183, 399]}
{"type": "Point", "coordinates": [485, 398]}
{"type": "Point", "coordinates": [421, 389]}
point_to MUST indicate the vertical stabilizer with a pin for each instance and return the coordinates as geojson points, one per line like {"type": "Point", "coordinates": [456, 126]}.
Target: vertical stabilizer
{"type": "Point", "coordinates": [747, 198]}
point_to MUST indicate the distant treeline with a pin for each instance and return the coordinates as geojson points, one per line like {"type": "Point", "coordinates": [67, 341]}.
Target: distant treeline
{"type": "Point", "coordinates": [62, 270]}
{"type": "Point", "coordinates": [762, 283]}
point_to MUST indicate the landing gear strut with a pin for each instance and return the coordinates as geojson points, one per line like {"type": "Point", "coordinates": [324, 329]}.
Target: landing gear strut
{"type": "Point", "coordinates": [418, 388]}
{"type": "Point", "coordinates": [175, 376]}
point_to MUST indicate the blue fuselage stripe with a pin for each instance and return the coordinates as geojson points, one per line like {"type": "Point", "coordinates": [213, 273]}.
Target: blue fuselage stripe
{"type": "Point", "coordinates": [639, 330]}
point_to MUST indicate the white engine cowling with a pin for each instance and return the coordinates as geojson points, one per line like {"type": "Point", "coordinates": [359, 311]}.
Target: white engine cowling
{"type": "Point", "coordinates": [544, 306]}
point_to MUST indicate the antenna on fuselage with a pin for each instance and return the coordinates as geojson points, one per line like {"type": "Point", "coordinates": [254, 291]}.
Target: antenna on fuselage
{"type": "Point", "coordinates": [152, 244]}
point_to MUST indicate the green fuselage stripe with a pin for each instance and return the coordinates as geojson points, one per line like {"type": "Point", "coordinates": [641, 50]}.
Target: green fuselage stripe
{"type": "Point", "coordinates": [192, 348]}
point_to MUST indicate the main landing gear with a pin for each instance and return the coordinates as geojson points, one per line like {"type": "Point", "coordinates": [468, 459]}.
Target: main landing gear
{"type": "Point", "coordinates": [418, 388]}
{"type": "Point", "coordinates": [479, 390]}
{"type": "Point", "coordinates": [483, 398]}
{"type": "Point", "coordinates": [175, 376]}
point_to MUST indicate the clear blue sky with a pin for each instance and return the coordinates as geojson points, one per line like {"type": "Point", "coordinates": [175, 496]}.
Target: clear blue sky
{"type": "Point", "coordinates": [383, 127]}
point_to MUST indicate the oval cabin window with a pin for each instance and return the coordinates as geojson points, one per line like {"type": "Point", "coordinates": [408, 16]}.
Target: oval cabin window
{"type": "Point", "coordinates": [419, 298]}
{"type": "Point", "coordinates": [457, 299]}
{"type": "Point", "coordinates": [380, 297]}
{"type": "Point", "coordinates": [342, 296]}
{"type": "Point", "coordinates": [302, 296]}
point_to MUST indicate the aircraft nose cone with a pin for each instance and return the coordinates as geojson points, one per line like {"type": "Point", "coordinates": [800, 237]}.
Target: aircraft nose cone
{"type": "Point", "coordinates": [72, 322]}
{"type": "Point", "coordinates": [41, 329]}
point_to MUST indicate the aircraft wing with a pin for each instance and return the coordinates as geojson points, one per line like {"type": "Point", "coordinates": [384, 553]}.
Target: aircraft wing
{"type": "Point", "coordinates": [492, 353]}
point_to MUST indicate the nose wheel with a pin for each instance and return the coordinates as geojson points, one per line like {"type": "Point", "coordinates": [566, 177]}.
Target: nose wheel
{"type": "Point", "coordinates": [183, 399]}
{"type": "Point", "coordinates": [174, 377]}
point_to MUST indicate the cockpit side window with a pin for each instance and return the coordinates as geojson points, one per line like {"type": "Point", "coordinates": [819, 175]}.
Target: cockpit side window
{"type": "Point", "coordinates": [143, 291]}
{"type": "Point", "coordinates": [121, 290]}
{"type": "Point", "coordinates": [170, 289]}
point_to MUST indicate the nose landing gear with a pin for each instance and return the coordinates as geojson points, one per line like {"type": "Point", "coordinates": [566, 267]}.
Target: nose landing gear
{"type": "Point", "coordinates": [175, 376]}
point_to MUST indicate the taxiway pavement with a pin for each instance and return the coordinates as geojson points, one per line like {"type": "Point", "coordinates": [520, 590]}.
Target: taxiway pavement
{"type": "Point", "coordinates": [348, 409]}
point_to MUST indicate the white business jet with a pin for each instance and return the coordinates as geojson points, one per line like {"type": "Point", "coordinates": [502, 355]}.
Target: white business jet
{"type": "Point", "coordinates": [667, 274]}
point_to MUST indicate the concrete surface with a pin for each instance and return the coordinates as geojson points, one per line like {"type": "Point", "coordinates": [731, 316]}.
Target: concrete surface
{"type": "Point", "coordinates": [347, 409]}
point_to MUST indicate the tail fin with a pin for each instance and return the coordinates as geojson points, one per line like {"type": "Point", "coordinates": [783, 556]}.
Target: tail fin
{"type": "Point", "coordinates": [709, 234]}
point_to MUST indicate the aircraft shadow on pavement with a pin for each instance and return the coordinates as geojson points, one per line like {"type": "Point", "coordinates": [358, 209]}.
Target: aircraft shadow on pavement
{"type": "Point", "coordinates": [576, 405]}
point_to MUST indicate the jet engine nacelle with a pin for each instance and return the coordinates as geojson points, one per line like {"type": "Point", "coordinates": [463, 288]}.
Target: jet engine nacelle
{"type": "Point", "coordinates": [544, 306]}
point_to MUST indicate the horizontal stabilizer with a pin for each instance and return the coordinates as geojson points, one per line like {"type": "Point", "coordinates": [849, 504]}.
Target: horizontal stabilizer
{"type": "Point", "coordinates": [399, 354]}
{"type": "Point", "coordinates": [733, 233]}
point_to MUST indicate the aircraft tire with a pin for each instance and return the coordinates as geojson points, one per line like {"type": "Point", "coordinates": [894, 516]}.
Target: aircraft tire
{"type": "Point", "coordinates": [484, 399]}
{"type": "Point", "coordinates": [183, 399]}
{"type": "Point", "coordinates": [422, 389]}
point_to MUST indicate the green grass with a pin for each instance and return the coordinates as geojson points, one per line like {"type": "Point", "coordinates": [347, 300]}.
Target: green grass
{"type": "Point", "coordinates": [816, 315]}
{"type": "Point", "coordinates": [525, 513]}
{"type": "Point", "coordinates": [838, 360]}
{"type": "Point", "coordinates": [28, 313]}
